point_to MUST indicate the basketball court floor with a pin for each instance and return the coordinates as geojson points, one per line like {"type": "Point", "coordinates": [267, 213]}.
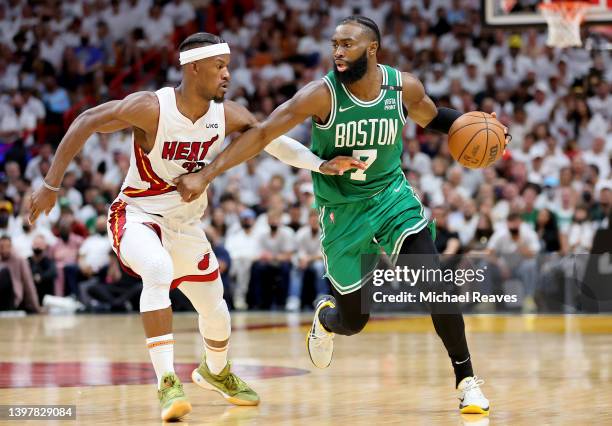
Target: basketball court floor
{"type": "Point", "coordinates": [539, 370]}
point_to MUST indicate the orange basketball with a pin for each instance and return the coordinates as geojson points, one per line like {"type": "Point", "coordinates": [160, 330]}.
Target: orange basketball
{"type": "Point", "coordinates": [476, 140]}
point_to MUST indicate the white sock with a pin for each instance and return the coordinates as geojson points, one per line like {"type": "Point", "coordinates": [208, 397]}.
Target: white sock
{"type": "Point", "coordinates": [161, 350]}
{"type": "Point", "coordinates": [216, 358]}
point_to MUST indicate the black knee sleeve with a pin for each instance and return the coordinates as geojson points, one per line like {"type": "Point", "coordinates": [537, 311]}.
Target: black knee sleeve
{"type": "Point", "coordinates": [354, 325]}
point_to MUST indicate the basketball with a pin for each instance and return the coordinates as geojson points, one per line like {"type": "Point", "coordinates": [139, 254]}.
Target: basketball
{"type": "Point", "coordinates": [476, 140]}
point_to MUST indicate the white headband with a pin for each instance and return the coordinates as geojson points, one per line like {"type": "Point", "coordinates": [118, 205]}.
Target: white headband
{"type": "Point", "coordinates": [198, 53]}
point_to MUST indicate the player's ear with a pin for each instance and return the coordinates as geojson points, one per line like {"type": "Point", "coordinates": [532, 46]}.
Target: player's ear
{"type": "Point", "coordinates": [373, 48]}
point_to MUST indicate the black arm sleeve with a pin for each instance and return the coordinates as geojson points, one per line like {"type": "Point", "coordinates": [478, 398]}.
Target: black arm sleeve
{"type": "Point", "coordinates": [444, 120]}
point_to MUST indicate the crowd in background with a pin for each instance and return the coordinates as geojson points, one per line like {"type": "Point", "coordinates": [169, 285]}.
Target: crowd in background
{"type": "Point", "coordinates": [549, 194]}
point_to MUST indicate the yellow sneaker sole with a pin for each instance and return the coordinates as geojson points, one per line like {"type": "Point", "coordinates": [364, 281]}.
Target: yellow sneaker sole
{"type": "Point", "coordinates": [177, 410]}
{"type": "Point", "coordinates": [474, 409]}
{"type": "Point", "coordinates": [201, 382]}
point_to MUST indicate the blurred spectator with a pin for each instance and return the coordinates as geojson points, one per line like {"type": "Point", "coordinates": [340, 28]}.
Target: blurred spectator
{"type": "Point", "coordinates": [447, 241]}
{"type": "Point", "coordinates": [548, 231]}
{"type": "Point", "coordinates": [93, 256]}
{"type": "Point", "coordinates": [17, 121]}
{"type": "Point", "coordinates": [601, 103]}
{"type": "Point", "coordinates": [295, 217]}
{"type": "Point", "coordinates": [43, 268]}
{"type": "Point", "coordinates": [580, 233]}
{"type": "Point", "coordinates": [529, 211]}
{"type": "Point", "coordinates": [56, 101]}
{"type": "Point", "coordinates": [598, 156]}
{"type": "Point", "coordinates": [482, 235]}
{"type": "Point", "coordinates": [414, 159]}
{"type": "Point", "coordinates": [217, 224]}
{"type": "Point", "coordinates": [243, 247]}
{"type": "Point", "coordinates": [467, 222]}
{"type": "Point", "coordinates": [538, 110]}
{"type": "Point", "coordinates": [118, 22]}
{"type": "Point", "coordinates": [516, 246]}
{"type": "Point", "coordinates": [437, 82]}
{"type": "Point", "coordinates": [8, 225]}
{"type": "Point", "coordinates": [23, 241]}
{"type": "Point", "coordinates": [117, 291]}
{"type": "Point", "coordinates": [157, 27]}
{"type": "Point", "coordinates": [65, 255]}
{"type": "Point", "coordinates": [270, 272]}
{"type": "Point", "coordinates": [308, 259]}
{"type": "Point", "coordinates": [17, 289]}
{"type": "Point", "coordinates": [33, 171]}
{"type": "Point", "coordinates": [181, 12]}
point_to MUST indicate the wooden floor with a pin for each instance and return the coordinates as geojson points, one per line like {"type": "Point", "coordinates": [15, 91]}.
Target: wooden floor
{"type": "Point", "coordinates": [539, 370]}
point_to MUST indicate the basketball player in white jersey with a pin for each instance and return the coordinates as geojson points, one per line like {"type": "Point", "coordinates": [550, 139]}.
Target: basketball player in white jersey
{"type": "Point", "coordinates": [153, 232]}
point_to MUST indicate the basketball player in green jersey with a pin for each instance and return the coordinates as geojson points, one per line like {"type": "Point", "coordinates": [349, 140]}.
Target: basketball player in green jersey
{"type": "Point", "coordinates": [358, 110]}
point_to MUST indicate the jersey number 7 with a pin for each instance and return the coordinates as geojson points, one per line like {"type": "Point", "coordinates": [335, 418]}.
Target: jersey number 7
{"type": "Point", "coordinates": [366, 155]}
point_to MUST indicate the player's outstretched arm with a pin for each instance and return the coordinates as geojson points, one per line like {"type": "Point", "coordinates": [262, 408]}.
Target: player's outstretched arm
{"type": "Point", "coordinates": [312, 100]}
{"type": "Point", "coordinates": [140, 110]}
{"type": "Point", "coordinates": [285, 148]}
{"type": "Point", "coordinates": [303, 105]}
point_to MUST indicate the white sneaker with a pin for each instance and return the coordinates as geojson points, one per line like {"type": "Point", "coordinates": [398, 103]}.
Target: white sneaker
{"type": "Point", "coordinates": [240, 304]}
{"type": "Point", "coordinates": [472, 399]}
{"type": "Point", "coordinates": [293, 304]}
{"type": "Point", "coordinates": [319, 341]}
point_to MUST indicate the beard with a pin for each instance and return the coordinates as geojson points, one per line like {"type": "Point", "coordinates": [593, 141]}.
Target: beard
{"type": "Point", "coordinates": [219, 99]}
{"type": "Point", "coordinates": [355, 70]}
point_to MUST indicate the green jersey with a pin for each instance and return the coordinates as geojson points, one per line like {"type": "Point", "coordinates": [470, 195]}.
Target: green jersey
{"type": "Point", "coordinates": [368, 130]}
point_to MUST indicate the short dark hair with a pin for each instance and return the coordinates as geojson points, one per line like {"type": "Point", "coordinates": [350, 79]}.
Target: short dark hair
{"type": "Point", "coordinates": [199, 40]}
{"type": "Point", "coordinates": [369, 24]}
{"type": "Point", "coordinates": [514, 216]}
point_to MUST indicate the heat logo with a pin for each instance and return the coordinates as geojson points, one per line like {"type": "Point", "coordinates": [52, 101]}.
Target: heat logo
{"type": "Point", "coordinates": [187, 151]}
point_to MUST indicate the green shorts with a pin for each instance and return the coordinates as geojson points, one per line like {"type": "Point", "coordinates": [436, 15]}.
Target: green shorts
{"type": "Point", "coordinates": [349, 231]}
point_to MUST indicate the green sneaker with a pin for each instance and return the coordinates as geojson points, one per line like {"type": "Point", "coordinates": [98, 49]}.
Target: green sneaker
{"type": "Point", "coordinates": [232, 387]}
{"type": "Point", "coordinates": [172, 398]}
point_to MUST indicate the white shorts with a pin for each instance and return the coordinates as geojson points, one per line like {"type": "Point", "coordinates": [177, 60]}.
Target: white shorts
{"type": "Point", "coordinates": [192, 256]}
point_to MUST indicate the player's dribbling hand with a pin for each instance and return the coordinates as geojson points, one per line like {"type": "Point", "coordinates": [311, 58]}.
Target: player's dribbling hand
{"type": "Point", "coordinates": [508, 137]}
{"type": "Point", "coordinates": [339, 165]}
{"type": "Point", "coordinates": [191, 186]}
{"type": "Point", "coordinates": [41, 201]}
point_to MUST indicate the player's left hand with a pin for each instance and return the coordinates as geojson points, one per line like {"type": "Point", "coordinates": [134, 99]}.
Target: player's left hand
{"type": "Point", "coordinates": [339, 165]}
{"type": "Point", "coordinates": [191, 186]}
{"type": "Point", "coordinates": [508, 137]}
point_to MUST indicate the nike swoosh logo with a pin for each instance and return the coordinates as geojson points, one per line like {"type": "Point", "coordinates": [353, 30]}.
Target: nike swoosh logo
{"type": "Point", "coordinates": [344, 109]}
{"type": "Point", "coordinates": [461, 362]}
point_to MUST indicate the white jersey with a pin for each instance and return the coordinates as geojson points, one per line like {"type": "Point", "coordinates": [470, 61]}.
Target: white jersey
{"type": "Point", "coordinates": [181, 146]}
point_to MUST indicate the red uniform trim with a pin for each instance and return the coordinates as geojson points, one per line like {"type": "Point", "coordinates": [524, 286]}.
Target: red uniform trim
{"type": "Point", "coordinates": [157, 186]}
{"type": "Point", "coordinates": [136, 193]}
{"type": "Point", "coordinates": [117, 222]}
{"type": "Point", "coordinates": [195, 278]}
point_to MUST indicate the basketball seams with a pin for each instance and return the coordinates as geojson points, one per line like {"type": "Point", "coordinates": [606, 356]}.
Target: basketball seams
{"type": "Point", "coordinates": [452, 132]}
{"type": "Point", "coordinates": [469, 142]}
{"type": "Point", "coordinates": [487, 142]}
{"type": "Point", "coordinates": [501, 147]}
{"type": "Point", "coordinates": [465, 125]}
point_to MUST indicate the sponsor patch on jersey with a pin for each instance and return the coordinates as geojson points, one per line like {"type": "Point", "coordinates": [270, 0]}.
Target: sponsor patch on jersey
{"type": "Point", "coordinates": [390, 104]}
